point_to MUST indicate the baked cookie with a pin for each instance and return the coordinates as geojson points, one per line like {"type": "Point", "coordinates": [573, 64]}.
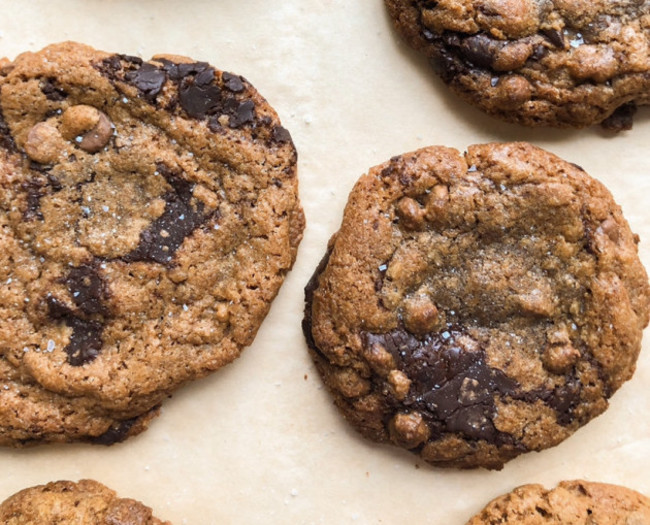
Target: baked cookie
{"type": "Point", "coordinates": [474, 307]}
{"type": "Point", "coordinates": [69, 503]}
{"type": "Point", "coordinates": [564, 63]}
{"type": "Point", "coordinates": [570, 503]}
{"type": "Point", "coordinates": [149, 214]}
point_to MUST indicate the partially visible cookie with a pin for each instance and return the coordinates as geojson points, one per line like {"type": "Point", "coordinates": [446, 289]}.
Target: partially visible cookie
{"type": "Point", "coordinates": [149, 212]}
{"type": "Point", "coordinates": [69, 503]}
{"type": "Point", "coordinates": [556, 63]}
{"type": "Point", "coordinates": [570, 503]}
{"type": "Point", "coordinates": [473, 307]}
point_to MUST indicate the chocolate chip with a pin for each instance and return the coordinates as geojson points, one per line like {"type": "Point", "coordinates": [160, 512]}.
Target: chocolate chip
{"type": "Point", "coordinates": [181, 217]}
{"type": "Point", "coordinates": [242, 113]}
{"type": "Point", "coordinates": [205, 77]}
{"type": "Point", "coordinates": [115, 66]}
{"type": "Point", "coordinates": [51, 91]}
{"type": "Point", "coordinates": [214, 125]}
{"type": "Point", "coordinates": [280, 134]}
{"type": "Point", "coordinates": [232, 82]}
{"type": "Point", "coordinates": [149, 79]}
{"type": "Point", "coordinates": [199, 100]}
{"type": "Point", "coordinates": [554, 36]}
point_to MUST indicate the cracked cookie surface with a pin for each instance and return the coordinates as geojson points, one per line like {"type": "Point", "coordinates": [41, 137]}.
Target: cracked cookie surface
{"type": "Point", "coordinates": [67, 503]}
{"type": "Point", "coordinates": [474, 307]}
{"type": "Point", "coordinates": [570, 503]}
{"type": "Point", "coordinates": [149, 213]}
{"type": "Point", "coordinates": [537, 62]}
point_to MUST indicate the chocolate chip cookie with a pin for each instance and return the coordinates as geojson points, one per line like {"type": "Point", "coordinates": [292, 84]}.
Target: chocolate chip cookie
{"type": "Point", "coordinates": [149, 213]}
{"type": "Point", "coordinates": [570, 503]}
{"type": "Point", "coordinates": [68, 503]}
{"type": "Point", "coordinates": [554, 63]}
{"type": "Point", "coordinates": [476, 306]}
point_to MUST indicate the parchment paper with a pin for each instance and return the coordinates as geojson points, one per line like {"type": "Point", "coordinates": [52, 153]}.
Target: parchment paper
{"type": "Point", "coordinates": [259, 441]}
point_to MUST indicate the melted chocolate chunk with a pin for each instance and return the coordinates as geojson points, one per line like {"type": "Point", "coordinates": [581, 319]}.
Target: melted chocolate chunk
{"type": "Point", "coordinates": [240, 112]}
{"type": "Point", "coordinates": [480, 50]}
{"type": "Point", "coordinates": [198, 97]}
{"type": "Point", "coordinates": [554, 36]}
{"type": "Point", "coordinates": [36, 188]}
{"type": "Point", "coordinates": [622, 119]}
{"type": "Point", "coordinates": [116, 434]}
{"type": "Point", "coordinates": [148, 79]}
{"type": "Point", "coordinates": [110, 66]}
{"type": "Point", "coordinates": [214, 125]}
{"type": "Point", "coordinates": [52, 92]}
{"type": "Point", "coordinates": [452, 387]}
{"type": "Point", "coordinates": [88, 293]}
{"type": "Point", "coordinates": [87, 290]}
{"type": "Point", "coordinates": [6, 140]}
{"type": "Point", "coordinates": [114, 66]}
{"type": "Point", "coordinates": [280, 134]}
{"type": "Point", "coordinates": [181, 217]}
{"type": "Point", "coordinates": [589, 234]}
{"type": "Point", "coordinates": [564, 400]}
{"type": "Point", "coordinates": [131, 59]}
{"type": "Point", "coordinates": [180, 71]}
{"type": "Point", "coordinates": [85, 341]}
{"type": "Point", "coordinates": [232, 82]}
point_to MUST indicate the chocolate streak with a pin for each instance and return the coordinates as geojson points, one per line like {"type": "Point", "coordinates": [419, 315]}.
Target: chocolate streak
{"type": "Point", "coordinates": [88, 292]}
{"type": "Point", "coordinates": [181, 217]}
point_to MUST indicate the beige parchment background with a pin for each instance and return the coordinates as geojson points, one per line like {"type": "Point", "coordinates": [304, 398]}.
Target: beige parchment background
{"type": "Point", "coordinates": [259, 441]}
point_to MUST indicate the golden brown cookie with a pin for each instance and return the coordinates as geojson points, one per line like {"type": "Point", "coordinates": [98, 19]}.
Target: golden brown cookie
{"type": "Point", "coordinates": [67, 503]}
{"type": "Point", "coordinates": [476, 306]}
{"type": "Point", "coordinates": [554, 63]}
{"type": "Point", "coordinates": [570, 503]}
{"type": "Point", "coordinates": [149, 213]}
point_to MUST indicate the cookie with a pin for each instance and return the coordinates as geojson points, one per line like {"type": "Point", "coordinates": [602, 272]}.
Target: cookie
{"type": "Point", "coordinates": [558, 63]}
{"type": "Point", "coordinates": [68, 503]}
{"type": "Point", "coordinates": [476, 306]}
{"type": "Point", "coordinates": [149, 215]}
{"type": "Point", "coordinates": [570, 503]}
